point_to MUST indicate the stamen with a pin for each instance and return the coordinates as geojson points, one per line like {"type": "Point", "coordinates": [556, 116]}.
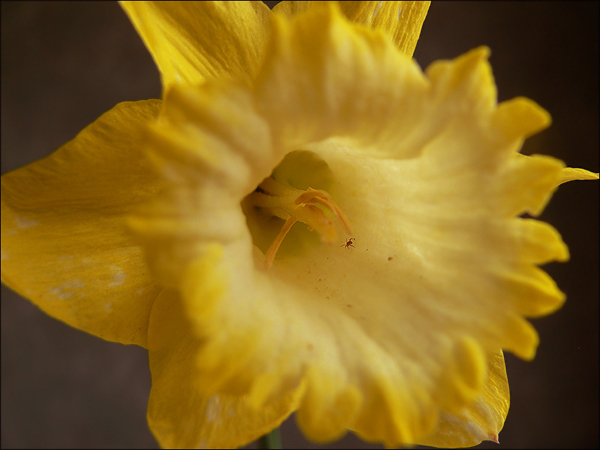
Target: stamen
{"type": "Point", "coordinates": [323, 198]}
{"type": "Point", "coordinates": [292, 205]}
{"type": "Point", "coordinates": [270, 256]}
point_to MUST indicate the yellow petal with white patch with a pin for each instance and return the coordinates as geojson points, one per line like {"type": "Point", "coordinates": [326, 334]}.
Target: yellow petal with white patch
{"type": "Point", "coordinates": [480, 421]}
{"type": "Point", "coordinates": [194, 41]}
{"type": "Point", "coordinates": [393, 332]}
{"type": "Point", "coordinates": [65, 245]}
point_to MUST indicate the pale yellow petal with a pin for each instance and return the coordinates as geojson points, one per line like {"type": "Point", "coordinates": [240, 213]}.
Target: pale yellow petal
{"type": "Point", "coordinates": [541, 174]}
{"type": "Point", "coordinates": [400, 21]}
{"type": "Point", "coordinates": [180, 415]}
{"type": "Point", "coordinates": [194, 41]}
{"type": "Point", "coordinates": [363, 63]}
{"type": "Point", "coordinates": [520, 118]}
{"type": "Point", "coordinates": [389, 334]}
{"type": "Point", "coordinates": [64, 241]}
{"type": "Point", "coordinates": [527, 184]}
{"type": "Point", "coordinates": [210, 145]}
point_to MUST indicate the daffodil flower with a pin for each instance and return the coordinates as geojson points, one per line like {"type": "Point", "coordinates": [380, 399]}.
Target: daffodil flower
{"type": "Point", "coordinates": [305, 223]}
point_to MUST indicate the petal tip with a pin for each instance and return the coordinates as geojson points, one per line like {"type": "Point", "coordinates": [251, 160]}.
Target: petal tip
{"type": "Point", "coordinates": [573, 174]}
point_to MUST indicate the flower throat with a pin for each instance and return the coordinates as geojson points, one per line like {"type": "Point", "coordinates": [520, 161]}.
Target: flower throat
{"type": "Point", "coordinates": [275, 197]}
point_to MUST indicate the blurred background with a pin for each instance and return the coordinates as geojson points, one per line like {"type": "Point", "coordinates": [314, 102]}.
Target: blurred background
{"type": "Point", "coordinates": [66, 63]}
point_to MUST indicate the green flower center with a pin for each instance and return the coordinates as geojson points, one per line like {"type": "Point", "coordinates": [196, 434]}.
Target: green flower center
{"type": "Point", "coordinates": [276, 198]}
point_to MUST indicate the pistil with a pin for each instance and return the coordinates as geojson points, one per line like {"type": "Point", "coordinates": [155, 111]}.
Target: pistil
{"type": "Point", "coordinates": [292, 205]}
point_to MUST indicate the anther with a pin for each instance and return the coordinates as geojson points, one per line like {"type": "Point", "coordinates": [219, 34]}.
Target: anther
{"type": "Point", "coordinates": [294, 205]}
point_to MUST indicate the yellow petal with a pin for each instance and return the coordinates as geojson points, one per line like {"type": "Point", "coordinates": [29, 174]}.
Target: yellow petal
{"type": "Point", "coordinates": [571, 174]}
{"type": "Point", "coordinates": [180, 415]}
{"type": "Point", "coordinates": [210, 145]}
{"type": "Point", "coordinates": [394, 332]}
{"type": "Point", "coordinates": [520, 117]}
{"type": "Point", "coordinates": [64, 241]}
{"type": "Point", "coordinates": [540, 174]}
{"type": "Point", "coordinates": [400, 21]}
{"type": "Point", "coordinates": [364, 63]}
{"type": "Point", "coordinates": [480, 421]}
{"type": "Point", "coordinates": [527, 184]}
{"type": "Point", "coordinates": [194, 41]}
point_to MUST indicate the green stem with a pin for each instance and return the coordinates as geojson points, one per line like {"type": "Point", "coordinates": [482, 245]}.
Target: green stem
{"type": "Point", "coordinates": [270, 440]}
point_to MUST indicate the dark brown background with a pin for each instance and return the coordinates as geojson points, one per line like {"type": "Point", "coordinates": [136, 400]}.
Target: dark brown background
{"type": "Point", "coordinates": [64, 64]}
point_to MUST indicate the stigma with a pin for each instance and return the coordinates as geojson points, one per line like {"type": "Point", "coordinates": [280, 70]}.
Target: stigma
{"type": "Point", "coordinates": [296, 205]}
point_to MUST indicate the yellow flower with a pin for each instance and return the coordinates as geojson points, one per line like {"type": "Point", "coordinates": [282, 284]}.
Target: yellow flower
{"type": "Point", "coordinates": [395, 333]}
